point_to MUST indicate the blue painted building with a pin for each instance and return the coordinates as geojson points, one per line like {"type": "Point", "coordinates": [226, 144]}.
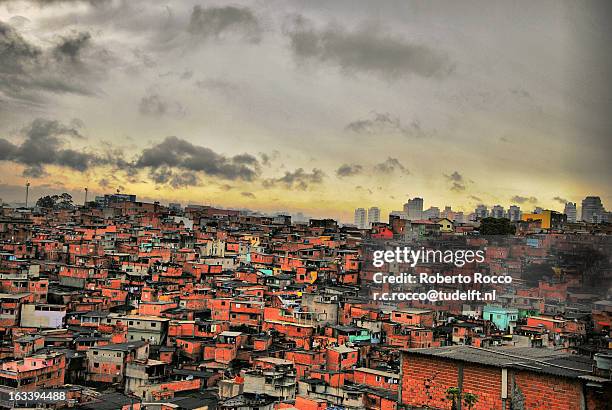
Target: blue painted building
{"type": "Point", "coordinates": [504, 318]}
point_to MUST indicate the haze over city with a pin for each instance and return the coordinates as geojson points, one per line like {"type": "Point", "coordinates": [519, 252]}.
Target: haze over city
{"type": "Point", "coordinates": [311, 107]}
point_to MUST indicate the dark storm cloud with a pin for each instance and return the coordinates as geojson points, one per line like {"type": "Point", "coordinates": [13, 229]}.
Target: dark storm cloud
{"type": "Point", "coordinates": [349, 170]}
{"type": "Point", "coordinates": [366, 49]}
{"type": "Point", "coordinates": [44, 143]}
{"type": "Point", "coordinates": [385, 123]}
{"type": "Point", "coordinates": [298, 179]}
{"type": "Point", "coordinates": [475, 198]}
{"type": "Point", "coordinates": [72, 46]}
{"type": "Point", "coordinates": [524, 199]}
{"type": "Point", "coordinates": [7, 149]}
{"type": "Point", "coordinates": [218, 22]}
{"type": "Point", "coordinates": [28, 73]}
{"type": "Point", "coordinates": [43, 3]}
{"type": "Point", "coordinates": [561, 200]}
{"type": "Point", "coordinates": [248, 195]}
{"type": "Point", "coordinates": [390, 165]}
{"type": "Point", "coordinates": [175, 152]}
{"type": "Point", "coordinates": [167, 176]}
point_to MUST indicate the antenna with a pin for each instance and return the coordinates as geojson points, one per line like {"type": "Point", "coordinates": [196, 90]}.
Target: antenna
{"type": "Point", "coordinates": [86, 196]}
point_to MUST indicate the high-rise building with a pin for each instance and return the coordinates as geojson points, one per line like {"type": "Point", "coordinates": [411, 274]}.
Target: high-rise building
{"type": "Point", "coordinates": [497, 211]}
{"type": "Point", "coordinates": [592, 209]}
{"type": "Point", "coordinates": [373, 215]}
{"type": "Point", "coordinates": [414, 208]}
{"type": "Point", "coordinates": [432, 212]}
{"type": "Point", "coordinates": [538, 210]}
{"type": "Point", "coordinates": [570, 211]}
{"type": "Point", "coordinates": [481, 211]}
{"type": "Point", "coordinates": [360, 218]}
{"type": "Point", "coordinates": [456, 217]}
{"type": "Point", "coordinates": [514, 213]}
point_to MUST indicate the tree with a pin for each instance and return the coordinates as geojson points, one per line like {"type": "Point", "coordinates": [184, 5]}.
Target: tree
{"type": "Point", "coordinates": [496, 226]}
{"type": "Point", "coordinates": [454, 395]}
{"type": "Point", "coordinates": [470, 400]}
{"type": "Point", "coordinates": [63, 201]}
{"type": "Point", "coordinates": [45, 202]}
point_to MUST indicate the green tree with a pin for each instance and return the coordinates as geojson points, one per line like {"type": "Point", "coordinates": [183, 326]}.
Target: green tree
{"type": "Point", "coordinates": [470, 400]}
{"type": "Point", "coordinates": [63, 201]}
{"type": "Point", "coordinates": [454, 395]}
{"type": "Point", "coordinates": [45, 202]}
{"type": "Point", "coordinates": [496, 226]}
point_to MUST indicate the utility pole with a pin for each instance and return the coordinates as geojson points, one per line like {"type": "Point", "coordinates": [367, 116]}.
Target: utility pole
{"type": "Point", "coordinates": [27, 193]}
{"type": "Point", "coordinates": [85, 197]}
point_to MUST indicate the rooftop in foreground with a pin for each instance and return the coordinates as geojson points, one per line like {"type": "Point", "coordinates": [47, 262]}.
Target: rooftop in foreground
{"type": "Point", "coordinates": [541, 360]}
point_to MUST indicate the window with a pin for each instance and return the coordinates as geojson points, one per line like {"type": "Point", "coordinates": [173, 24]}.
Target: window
{"type": "Point", "coordinates": [153, 324]}
{"type": "Point", "coordinates": [95, 352]}
{"type": "Point", "coordinates": [96, 365]}
{"type": "Point", "coordinates": [118, 367]}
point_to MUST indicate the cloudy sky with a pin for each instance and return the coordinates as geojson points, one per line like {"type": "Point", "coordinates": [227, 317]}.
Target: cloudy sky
{"type": "Point", "coordinates": [312, 106]}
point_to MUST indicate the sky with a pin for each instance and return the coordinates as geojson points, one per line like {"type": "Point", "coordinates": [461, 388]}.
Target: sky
{"type": "Point", "coordinates": [308, 106]}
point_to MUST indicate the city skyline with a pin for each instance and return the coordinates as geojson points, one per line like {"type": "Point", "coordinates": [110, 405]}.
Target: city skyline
{"type": "Point", "coordinates": [175, 103]}
{"type": "Point", "coordinates": [365, 218]}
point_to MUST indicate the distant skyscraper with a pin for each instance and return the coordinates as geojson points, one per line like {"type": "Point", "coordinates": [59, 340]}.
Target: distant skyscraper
{"type": "Point", "coordinates": [481, 211]}
{"type": "Point", "coordinates": [592, 209]}
{"type": "Point", "coordinates": [457, 217]}
{"type": "Point", "coordinates": [570, 211]}
{"type": "Point", "coordinates": [497, 211]}
{"type": "Point", "coordinates": [432, 212]}
{"type": "Point", "coordinates": [414, 208]}
{"type": "Point", "coordinates": [538, 210]}
{"type": "Point", "coordinates": [373, 215]}
{"type": "Point", "coordinates": [360, 218]}
{"type": "Point", "coordinates": [514, 213]}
